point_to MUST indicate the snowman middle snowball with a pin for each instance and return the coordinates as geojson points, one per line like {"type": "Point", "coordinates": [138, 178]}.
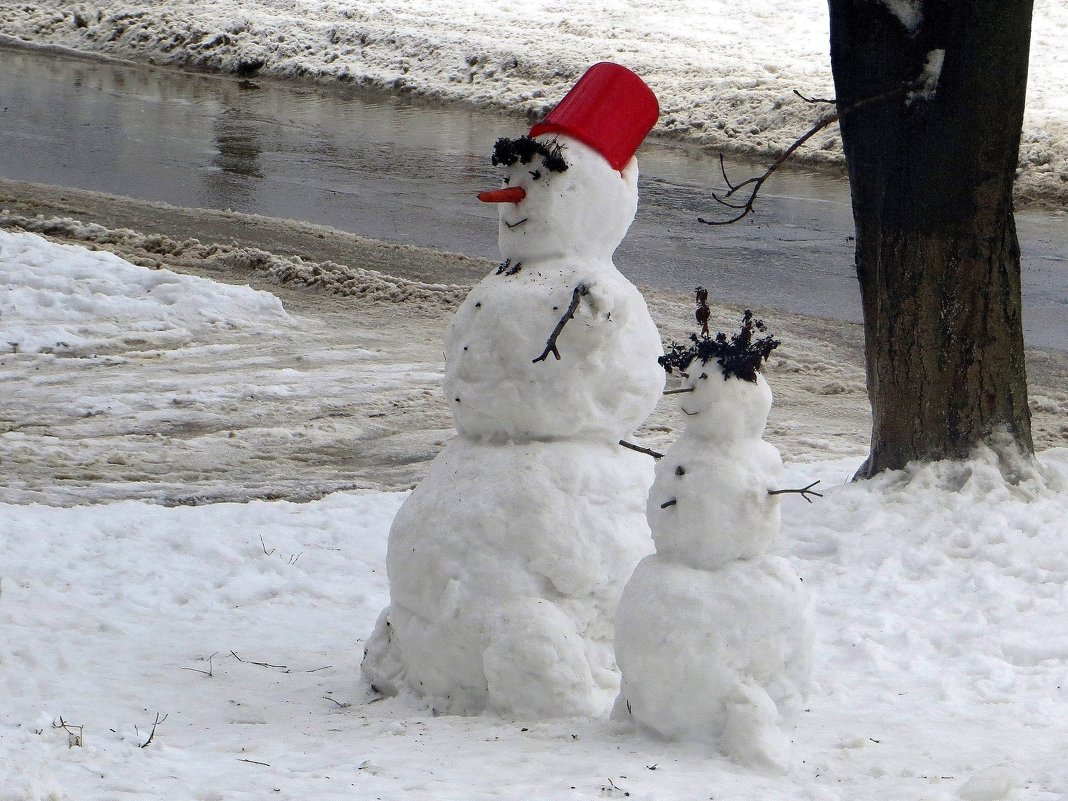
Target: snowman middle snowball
{"type": "Point", "coordinates": [507, 562]}
{"type": "Point", "coordinates": [560, 236]}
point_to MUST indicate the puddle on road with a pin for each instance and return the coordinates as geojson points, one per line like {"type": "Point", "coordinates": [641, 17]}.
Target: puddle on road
{"type": "Point", "coordinates": [388, 169]}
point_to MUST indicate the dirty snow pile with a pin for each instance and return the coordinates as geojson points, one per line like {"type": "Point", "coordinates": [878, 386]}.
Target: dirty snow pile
{"type": "Point", "coordinates": [725, 72]}
{"type": "Point", "coordinates": [68, 300]}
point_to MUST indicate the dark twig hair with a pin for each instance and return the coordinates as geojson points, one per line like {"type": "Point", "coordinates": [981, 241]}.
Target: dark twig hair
{"type": "Point", "coordinates": [740, 356]}
{"type": "Point", "coordinates": [524, 149]}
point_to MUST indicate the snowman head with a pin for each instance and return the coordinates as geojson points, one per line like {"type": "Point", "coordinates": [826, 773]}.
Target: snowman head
{"type": "Point", "coordinates": [561, 198]}
{"type": "Point", "coordinates": [725, 395]}
{"type": "Point", "coordinates": [571, 185]}
{"type": "Point", "coordinates": [724, 407]}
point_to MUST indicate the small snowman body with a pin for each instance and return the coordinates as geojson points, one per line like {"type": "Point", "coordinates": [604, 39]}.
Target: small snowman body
{"type": "Point", "coordinates": [507, 561]}
{"type": "Point", "coordinates": [713, 636]}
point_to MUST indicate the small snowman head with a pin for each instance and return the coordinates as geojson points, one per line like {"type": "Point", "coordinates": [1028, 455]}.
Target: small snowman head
{"type": "Point", "coordinates": [726, 397]}
{"type": "Point", "coordinates": [571, 185]}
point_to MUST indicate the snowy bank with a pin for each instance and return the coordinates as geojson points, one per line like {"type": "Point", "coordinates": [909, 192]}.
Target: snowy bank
{"type": "Point", "coordinates": [69, 300]}
{"type": "Point", "coordinates": [725, 72]}
{"type": "Point", "coordinates": [940, 670]}
{"type": "Point", "coordinates": [226, 638]}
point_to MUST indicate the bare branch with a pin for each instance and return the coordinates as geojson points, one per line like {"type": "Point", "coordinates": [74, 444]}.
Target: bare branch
{"type": "Point", "coordinates": [640, 449]}
{"type": "Point", "coordinates": [756, 182]}
{"type": "Point", "coordinates": [550, 346]}
{"type": "Point", "coordinates": [804, 492]}
{"type": "Point", "coordinates": [746, 208]}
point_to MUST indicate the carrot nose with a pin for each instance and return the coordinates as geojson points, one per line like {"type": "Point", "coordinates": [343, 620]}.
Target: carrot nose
{"type": "Point", "coordinates": [510, 194]}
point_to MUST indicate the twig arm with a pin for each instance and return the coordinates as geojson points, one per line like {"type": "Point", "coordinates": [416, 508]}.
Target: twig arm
{"type": "Point", "coordinates": [640, 449]}
{"type": "Point", "coordinates": [550, 346]}
{"type": "Point", "coordinates": [804, 492]}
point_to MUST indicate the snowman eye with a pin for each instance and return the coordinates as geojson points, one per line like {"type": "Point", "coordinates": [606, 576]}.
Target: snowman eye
{"type": "Point", "coordinates": [703, 375]}
{"type": "Point", "coordinates": [684, 375]}
{"type": "Point", "coordinates": [535, 174]}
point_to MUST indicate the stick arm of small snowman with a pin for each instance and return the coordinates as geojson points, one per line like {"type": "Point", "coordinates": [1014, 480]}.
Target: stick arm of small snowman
{"type": "Point", "coordinates": [804, 492]}
{"type": "Point", "coordinates": [640, 449]}
{"type": "Point", "coordinates": [550, 346]}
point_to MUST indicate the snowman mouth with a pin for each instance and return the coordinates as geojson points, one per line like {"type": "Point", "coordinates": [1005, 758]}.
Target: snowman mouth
{"type": "Point", "coordinates": [515, 224]}
{"type": "Point", "coordinates": [683, 408]}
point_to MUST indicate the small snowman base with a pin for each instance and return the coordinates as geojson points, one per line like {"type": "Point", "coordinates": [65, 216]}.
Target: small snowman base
{"type": "Point", "coordinates": [715, 656]}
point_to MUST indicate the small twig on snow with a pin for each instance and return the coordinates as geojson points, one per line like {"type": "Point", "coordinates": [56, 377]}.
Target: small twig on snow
{"type": "Point", "coordinates": [264, 546]}
{"type": "Point", "coordinates": [152, 733]}
{"type": "Point", "coordinates": [74, 733]}
{"type": "Point", "coordinates": [210, 671]}
{"type": "Point", "coordinates": [254, 762]}
{"type": "Point", "coordinates": [261, 664]}
{"type": "Point", "coordinates": [339, 703]}
{"type": "Point", "coordinates": [678, 391]}
{"type": "Point", "coordinates": [804, 492]}
{"type": "Point", "coordinates": [550, 346]}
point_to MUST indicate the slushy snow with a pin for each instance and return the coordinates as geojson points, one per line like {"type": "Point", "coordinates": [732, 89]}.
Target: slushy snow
{"type": "Point", "coordinates": [507, 561]}
{"type": "Point", "coordinates": [939, 600]}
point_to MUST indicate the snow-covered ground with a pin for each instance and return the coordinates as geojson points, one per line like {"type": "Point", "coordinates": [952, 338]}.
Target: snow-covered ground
{"type": "Point", "coordinates": [940, 596]}
{"type": "Point", "coordinates": [725, 72]}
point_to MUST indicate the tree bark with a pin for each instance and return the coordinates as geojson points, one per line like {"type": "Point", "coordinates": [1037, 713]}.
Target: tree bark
{"type": "Point", "coordinates": [937, 256]}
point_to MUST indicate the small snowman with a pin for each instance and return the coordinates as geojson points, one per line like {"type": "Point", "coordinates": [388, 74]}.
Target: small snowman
{"type": "Point", "coordinates": [506, 563]}
{"type": "Point", "coordinates": [712, 634]}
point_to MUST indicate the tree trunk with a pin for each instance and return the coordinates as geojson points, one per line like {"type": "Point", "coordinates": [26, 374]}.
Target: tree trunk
{"type": "Point", "coordinates": [937, 256]}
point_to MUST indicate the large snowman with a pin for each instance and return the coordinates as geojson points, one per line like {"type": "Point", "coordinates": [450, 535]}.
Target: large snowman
{"type": "Point", "coordinates": [506, 563]}
{"type": "Point", "coordinates": [712, 634]}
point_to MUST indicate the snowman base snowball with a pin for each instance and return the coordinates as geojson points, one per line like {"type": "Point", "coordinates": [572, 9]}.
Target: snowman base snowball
{"type": "Point", "coordinates": [506, 564]}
